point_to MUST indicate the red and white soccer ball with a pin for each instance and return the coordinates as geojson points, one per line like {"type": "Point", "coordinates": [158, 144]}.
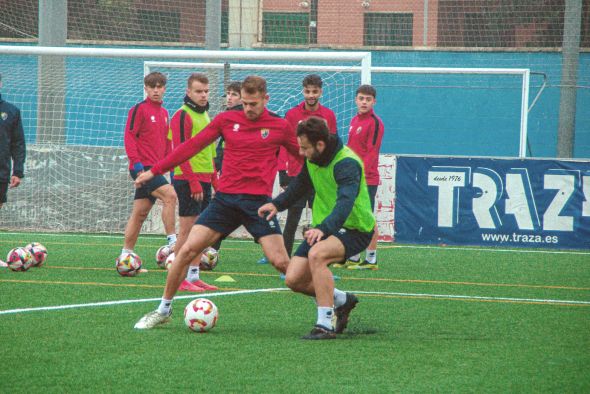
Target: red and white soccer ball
{"type": "Point", "coordinates": [39, 253]}
{"type": "Point", "coordinates": [200, 315]}
{"type": "Point", "coordinates": [169, 260]}
{"type": "Point", "coordinates": [209, 259]}
{"type": "Point", "coordinates": [19, 259]}
{"type": "Point", "coordinates": [162, 254]}
{"type": "Point", "coordinates": [128, 264]}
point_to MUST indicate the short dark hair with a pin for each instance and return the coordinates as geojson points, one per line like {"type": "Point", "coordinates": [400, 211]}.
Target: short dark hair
{"type": "Point", "coordinates": [313, 80]}
{"type": "Point", "coordinates": [254, 84]}
{"type": "Point", "coordinates": [367, 89]}
{"type": "Point", "coordinates": [154, 78]}
{"type": "Point", "coordinates": [235, 86]}
{"type": "Point", "coordinates": [315, 129]}
{"type": "Point", "coordinates": [197, 77]}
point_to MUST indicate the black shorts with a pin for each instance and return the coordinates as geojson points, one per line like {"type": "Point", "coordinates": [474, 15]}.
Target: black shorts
{"type": "Point", "coordinates": [146, 190]}
{"type": "Point", "coordinates": [188, 206]}
{"type": "Point", "coordinates": [227, 212]}
{"type": "Point", "coordinates": [354, 242]}
{"type": "Point", "coordinates": [3, 192]}
{"type": "Point", "coordinates": [372, 193]}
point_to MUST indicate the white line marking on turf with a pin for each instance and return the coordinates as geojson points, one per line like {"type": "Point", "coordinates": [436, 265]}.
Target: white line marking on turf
{"type": "Point", "coordinates": [479, 298]}
{"type": "Point", "coordinates": [387, 245]}
{"type": "Point", "coordinates": [239, 292]}
{"type": "Point", "coordinates": [108, 303]}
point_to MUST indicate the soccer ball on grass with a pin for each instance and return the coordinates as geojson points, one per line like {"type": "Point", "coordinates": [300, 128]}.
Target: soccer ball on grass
{"type": "Point", "coordinates": [39, 253]}
{"type": "Point", "coordinates": [209, 259]}
{"type": "Point", "coordinates": [19, 259]}
{"type": "Point", "coordinates": [128, 264]}
{"type": "Point", "coordinates": [162, 254]}
{"type": "Point", "coordinates": [169, 260]}
{"type": "Point", "coordinates": [200, 315]}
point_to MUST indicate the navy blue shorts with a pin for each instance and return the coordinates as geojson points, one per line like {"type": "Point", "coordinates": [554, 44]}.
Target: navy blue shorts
{"type": "Point", "coordinates": [188, 206]}
{"type": "Point", "coordinates": [354, 242]}
{"type": "Point", "coordinates": [227, 212]}
{"type": "Point", "coordinates": [146, 190]}
{"type": "Point", "coordinates": [3, 192]}
{"type": "Point", "coordinates": [372, 193]}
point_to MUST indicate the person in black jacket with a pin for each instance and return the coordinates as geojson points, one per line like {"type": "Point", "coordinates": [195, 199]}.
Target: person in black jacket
{"type": "Point", "coordinates": [12, 147]}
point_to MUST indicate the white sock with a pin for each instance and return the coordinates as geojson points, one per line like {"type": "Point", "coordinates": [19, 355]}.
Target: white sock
{"type": "Point", "coordinates": [123, 251]}
{"type": "Point", "coordinates": [371, 256]}
{"type": "Point", "coordinates": [355, 258]}
{"type": "Point", "coordinates": [325, 314]}
{"type": "Point", "coordinates": [165, 306]}
{"type": "Point", "coordinates": [171, 239]}
{"type": "Point", "coordinates": [339, 298]}
{"type": "Point", "coordinates": [192, 274]}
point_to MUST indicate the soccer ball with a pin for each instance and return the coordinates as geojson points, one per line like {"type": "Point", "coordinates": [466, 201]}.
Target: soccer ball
{"type": "Point", "coordinates": [169, 260]}
{"type": "Point", "coordinates": [19, 259]}
{"type": "Point", "coordinates": [128, 264]}
{"type": "Point", "coordinates": [200, 315]}
{"type": "Point", "coordinates": [39, 253]}
{"type": "Point", "coordinates": [209, 259]}
{"type": "Point", "coordinates": [162, 254]}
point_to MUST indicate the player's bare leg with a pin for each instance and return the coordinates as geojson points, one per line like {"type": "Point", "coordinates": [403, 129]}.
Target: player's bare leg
{"type": "Point", "coordinates": [273, 247]}
{"type": "Point", "coordinates": [199, 238]}
{"type": "Point", "coordinates": [167, 195]}
{"type": "Point", "coordinates": [192, 282]}
{"type": "Point", "coordinates": [139, 213]}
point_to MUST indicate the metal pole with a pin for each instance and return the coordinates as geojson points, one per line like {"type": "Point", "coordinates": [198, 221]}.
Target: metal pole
{"type": "Point", "coordinates": [213, 25]}
{"type": "Point", "coordinates": [53, 31]}
{"type": "Point", "coordinates": [569, 74]}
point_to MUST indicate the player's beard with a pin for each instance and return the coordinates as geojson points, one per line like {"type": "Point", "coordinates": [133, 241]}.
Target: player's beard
{"type": "Point", "coordinates": [311, 102]}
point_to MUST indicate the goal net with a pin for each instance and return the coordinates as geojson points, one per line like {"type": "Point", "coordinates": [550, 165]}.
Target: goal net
{"type": "Point", "coordinates": [74, 104]}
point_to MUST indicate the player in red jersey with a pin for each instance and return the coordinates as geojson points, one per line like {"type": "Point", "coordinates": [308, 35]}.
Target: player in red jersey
{"type": "Point", "coordinates": [364, 138]}
{"type": "Point", "coordinates": [310, 106]}
{"type": "Point", "coordinates": [145, 143]}
{"type": "Point", "coordinates": [252, 140]}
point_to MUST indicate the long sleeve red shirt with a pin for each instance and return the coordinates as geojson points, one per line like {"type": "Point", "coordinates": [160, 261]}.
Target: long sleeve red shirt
{"type": "Point", "coordinates": [146, 133]}
{"type": "Point", "coordinates": [296, 115]}
{"type": "Point", "coordinates": [364, 138]}
{"type": "Point", "coordinates": [250, 153]}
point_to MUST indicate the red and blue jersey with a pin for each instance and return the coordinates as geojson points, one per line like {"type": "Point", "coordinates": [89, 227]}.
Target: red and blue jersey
{"type": "Point", "coordinates": [296, 115]}
{"type": "Point", "coordinates": [146, 133]}
{"type": "Point", "coordinates": [250, 153]}
{"type": "Point", "coordinates": [364, 138]}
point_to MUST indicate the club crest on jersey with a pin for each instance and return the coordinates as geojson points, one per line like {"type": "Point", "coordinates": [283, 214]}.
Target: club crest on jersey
{"type": "Point", "coordinates": [236, 127]}
{"type": "Point", "coordinates": [264, 133]}
{"type": "Point", "coordinates": [4, 115]}
{"type": "Point", "coordinates": [358, 130]}
{"type": "Point", "coordinates": [153, 118]}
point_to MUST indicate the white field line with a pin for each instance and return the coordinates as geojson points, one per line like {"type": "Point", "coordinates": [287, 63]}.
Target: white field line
{"type": "Point", "coordinates": [477, 298]}
{"type": "Point", "coordinates": [120, 302]}
{"type": "Point", "coordinates": [382, 245]}
{"type": "Point", "coordinates": [239, 292]}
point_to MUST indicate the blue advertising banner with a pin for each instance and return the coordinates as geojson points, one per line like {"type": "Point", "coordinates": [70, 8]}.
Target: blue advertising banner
{"type": "Point", "coordinates": [499, 202]}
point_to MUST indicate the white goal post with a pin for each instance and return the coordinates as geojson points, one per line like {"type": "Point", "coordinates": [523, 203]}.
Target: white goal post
{"type": "Point", "coordinates": [74, 103]}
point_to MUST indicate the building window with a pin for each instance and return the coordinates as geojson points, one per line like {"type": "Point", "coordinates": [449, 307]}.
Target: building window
{"type": "Point", "coordinates": [285, 28]}
{"type": "Point", "coordinates": [388, 29]}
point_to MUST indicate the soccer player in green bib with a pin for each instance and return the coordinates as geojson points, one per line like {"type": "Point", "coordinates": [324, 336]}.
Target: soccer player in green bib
{"type": "Point", "coordinates": [342, 223]}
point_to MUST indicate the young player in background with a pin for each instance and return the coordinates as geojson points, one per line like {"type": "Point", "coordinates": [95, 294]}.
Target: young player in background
{"type": "Point", "coordinates": [364, 138]}
{"type": "Point", "coordinates": [252, 139]}
{"type": "Point", "coordinates": [192, 179]}
{"type": "Point", "coordinates": [233, 102]}
{"type": "Point", "coordinates": [310, 106]}
{"type": "Point", "coordinates": [145, 143]}
{"type": "Point", "coordinates": [342, 223]}
{"type": "Point", "coordinates": [12, 148]}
